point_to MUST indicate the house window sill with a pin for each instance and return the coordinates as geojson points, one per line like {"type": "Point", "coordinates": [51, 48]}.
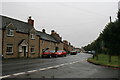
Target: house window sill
{"type": "Point", "coordinates": [9, 53]}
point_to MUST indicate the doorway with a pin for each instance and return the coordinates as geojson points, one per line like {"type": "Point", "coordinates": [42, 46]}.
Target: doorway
{"type": "Point", "coordinates": [24, 51]}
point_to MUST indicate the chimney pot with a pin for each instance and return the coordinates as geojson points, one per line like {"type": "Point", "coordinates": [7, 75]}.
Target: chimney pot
{"type": "Point", "coordinates": [30, 21]}
{"type": "Point", "coordinates": [43, 30]}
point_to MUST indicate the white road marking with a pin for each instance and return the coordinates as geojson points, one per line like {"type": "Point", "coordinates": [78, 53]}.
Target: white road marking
{"type": "Point", "coordinates": [61, 64]}
{"type": "Point", "coordinates": [42, 69]}
{"type": "Point", "coordinates": [4, 76]}
{"type": "Point", "coordinates": [49, 67]}
{"type": "Point", "coordinates": [56, 66]}
{"type": "Point", "coordinates": [32, 71]}
{"type": "Point", "coordinates": [18, 73]}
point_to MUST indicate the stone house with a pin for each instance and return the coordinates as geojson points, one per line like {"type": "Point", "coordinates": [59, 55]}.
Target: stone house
{"type": "Point", "coordinates": [57, 37]}
{"type": "Point", "coordinates": [67, 46]}
{"type": "Point", "coordinates": [20, 39]}
{"type": "Point", "coordinates": [46, 41]}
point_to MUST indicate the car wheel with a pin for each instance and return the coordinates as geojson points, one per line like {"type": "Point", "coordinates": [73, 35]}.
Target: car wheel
{"type": "Point", "coordinates": [64, 55]}
{"type": "Point", "coordinates": [50, 56]}
{"type": "Point", "coordinates": [56, 55]}
{"type": "Point", "coordinates": [42, 56]}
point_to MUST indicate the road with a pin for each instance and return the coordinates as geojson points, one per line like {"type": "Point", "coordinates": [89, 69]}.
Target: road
{"type": "Point", "coordinates": [72, 66]}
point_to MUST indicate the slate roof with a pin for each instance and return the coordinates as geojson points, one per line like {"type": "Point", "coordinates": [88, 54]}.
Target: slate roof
{"type": "Point", "coordinates": [20, 26]}
{"type": "Point", "coordinates": [24, 27]}
{"type": "Point", "coordinates": [45, 36]}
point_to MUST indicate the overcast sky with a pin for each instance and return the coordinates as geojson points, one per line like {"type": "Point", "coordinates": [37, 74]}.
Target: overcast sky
{"type": "Point", "coordinates": [78, 22]}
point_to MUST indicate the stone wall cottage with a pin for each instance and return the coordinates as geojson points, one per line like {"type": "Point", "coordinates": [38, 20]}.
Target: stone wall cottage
{"type": "Point", "coordinates": [19, 39]}
{"type": "Point", "coordinates": [46, 41]}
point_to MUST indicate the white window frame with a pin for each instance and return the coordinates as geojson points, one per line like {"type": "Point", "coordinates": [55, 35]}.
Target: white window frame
{"type": "Point", "coordinates": [20, 48]}
{"type": "Point", "coordinates": [10, 32]}
{"type": "Point", "coordinates": [9, 46]}
{"type": "Point", "coordinates": [33, 49]}
{"type": "Point", "coordinates": [32, 36]}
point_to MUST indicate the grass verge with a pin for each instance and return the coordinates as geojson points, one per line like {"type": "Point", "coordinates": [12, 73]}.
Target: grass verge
{"type": "Point", "coordinates": [103, 59]}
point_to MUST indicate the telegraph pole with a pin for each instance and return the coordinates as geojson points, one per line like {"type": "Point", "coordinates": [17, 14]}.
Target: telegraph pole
{"type": "Point", "coordinates": [110, 19]}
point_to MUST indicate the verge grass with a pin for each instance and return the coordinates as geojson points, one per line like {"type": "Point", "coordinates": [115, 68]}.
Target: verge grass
{"type": "Point", "coordinates": [104, 60]}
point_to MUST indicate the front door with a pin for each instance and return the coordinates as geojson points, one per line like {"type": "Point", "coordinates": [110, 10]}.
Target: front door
{"type": "Point", "coordinates": [24, 51]}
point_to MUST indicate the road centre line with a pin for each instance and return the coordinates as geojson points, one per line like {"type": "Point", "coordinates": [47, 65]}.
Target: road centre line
{"type": "Point", "coordinates": [32, 71]}
{"type": "Point", "coordinates": [18, 73]}
{"type": "Point", "coordinates": [4, 76]}
{"type": "Point", "coordinates": [42, 69]}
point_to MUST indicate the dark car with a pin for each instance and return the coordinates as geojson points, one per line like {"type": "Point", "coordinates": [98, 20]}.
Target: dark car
{"type": "Point", "coordinates": [73, 52]}
{"type": "Point", "coordinates": [46, 53]}
{"type": "Point", "coordinates": [61, 53]}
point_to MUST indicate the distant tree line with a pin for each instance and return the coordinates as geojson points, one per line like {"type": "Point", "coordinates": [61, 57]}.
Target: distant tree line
{"type": "Point", "coordinates": [108, 41]}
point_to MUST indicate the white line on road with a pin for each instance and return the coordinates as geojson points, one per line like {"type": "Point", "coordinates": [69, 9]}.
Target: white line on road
{"type": "Point", "coordinates": [42, 69]}
{"type": "Point", "coordinates": [18, 73]}
{"type": "Point", "coordinates": [32, 71]}
{"type": "Point", "coordinates": [4, 76]}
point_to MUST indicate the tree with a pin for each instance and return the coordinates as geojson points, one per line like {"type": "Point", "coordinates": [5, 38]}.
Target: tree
{"type": "Point", "coordinates": [118, 15]}
{"type": "Point", "coordinates": [111, 38]}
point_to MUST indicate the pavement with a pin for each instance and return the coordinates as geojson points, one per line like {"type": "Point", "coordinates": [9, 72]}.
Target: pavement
{"type": "Point", "coordinates": [72, 66]}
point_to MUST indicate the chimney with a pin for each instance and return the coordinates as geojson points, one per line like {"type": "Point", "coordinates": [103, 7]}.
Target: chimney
{"type": "Point", "coordinates": [52, 32]}
{"type": "Point", "coordinates": [43, 30]}
{"type": "Point", "coordinates": [30, 21]}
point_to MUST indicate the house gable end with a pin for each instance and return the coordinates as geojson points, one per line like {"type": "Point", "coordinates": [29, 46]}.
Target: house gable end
{"type": "Point", "coordinates": [23, 43]}
{"type": "Point", "coordinates": [10, 26]}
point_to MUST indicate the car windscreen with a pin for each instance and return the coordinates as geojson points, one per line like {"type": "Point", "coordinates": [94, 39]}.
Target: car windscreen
{"type": "Point", "coordinates": [52, 51]}
{"type": "Point", "coordinates": [59, 51]}
{"type": "Point", "coordinates": [47, 51]}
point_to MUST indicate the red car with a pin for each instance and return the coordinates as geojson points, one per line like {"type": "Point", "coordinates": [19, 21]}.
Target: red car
{"type": "Point", "coordinates": [53, 53]}
{"type": "Point", "coordinates": [61, 53]}
{"type": "Point", "coordinates": [46, 53]}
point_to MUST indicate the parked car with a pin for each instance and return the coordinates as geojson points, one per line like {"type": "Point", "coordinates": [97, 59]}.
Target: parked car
{"type": "Point", "coordinates": [46, 53]}
{"type": "Point", "coordinates": [91, 52]}
{"type": "Point", "coordinates": [73, 52]}
{"type": "Point", "coordinates": [53, 53]}
{"type": "Point", "coordinates": [61, 53]}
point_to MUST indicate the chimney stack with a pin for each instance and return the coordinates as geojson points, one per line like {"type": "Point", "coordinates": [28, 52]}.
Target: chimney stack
{"type": "Point", "coordinates": [52, 32]}
{"type": "Point", "coordinates": [30, 21]}
{"type": "Point", "coordinates": [43, 30]}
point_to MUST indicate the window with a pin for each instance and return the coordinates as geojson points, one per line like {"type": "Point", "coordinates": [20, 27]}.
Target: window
{"type": "Point", "coordinates": [9, 48]}
{"type": "Point", "coordinates": [10, 32]}
{"type": "Point", "coordinates": [32, 49]}
{"type": "Point", "coordinates": [32, 36]}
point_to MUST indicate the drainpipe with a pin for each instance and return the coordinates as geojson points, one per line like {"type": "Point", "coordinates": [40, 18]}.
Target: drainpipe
{"type": "Point", "coordinates": [2, 40]}
{"type": "Point", "coordinates": [28, 46]}
{"type": "Point", "coordinates": [39, 47]}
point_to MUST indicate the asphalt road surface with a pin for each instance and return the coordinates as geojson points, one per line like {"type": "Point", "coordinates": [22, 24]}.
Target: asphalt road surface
{"type": "Point", "coordinates": [71, 66]}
